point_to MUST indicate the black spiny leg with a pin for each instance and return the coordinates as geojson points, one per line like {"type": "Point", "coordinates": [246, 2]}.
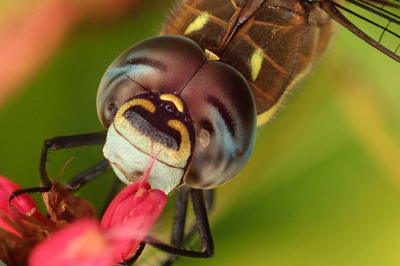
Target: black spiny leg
{"type": "Point", "coordinates": [133, 259]}
{"type": "Point", "coordinates": [178, 228]}
{"type": "Point", "coordinates": [55, 144]}
{"type": "Point", "coordinates": [209, 201]}
{"type": "Point", "coordinates": [200, 212]}
{"type": "Point", "coordinates": [90, 174]}
{"type": "Point", "coordinates": [178, 238]}
{"type": "Point", "coordinates": [199, 208]}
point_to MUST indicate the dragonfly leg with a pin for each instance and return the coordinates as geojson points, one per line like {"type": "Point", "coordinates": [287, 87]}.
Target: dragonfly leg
{"type": "Point", "coordinates": [209, 202]}
{"type": "Point", "coordinates": [200, 212]}
{"type": "Point", "coordinates": [134, 258]}
{"type": "Point", "coordinates": [178, 228]}
{"type": "Point", "coordinates": [199, 206]}
{"type": "Point", "coordinates": [88, 175]}
{"type": "Point", "coordinates": [56, 144]}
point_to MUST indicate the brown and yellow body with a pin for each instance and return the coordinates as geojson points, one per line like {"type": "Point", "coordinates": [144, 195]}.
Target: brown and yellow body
{"type": "Point", "coordinates": [226, 66]}
{"type": "Point", "coordinates": [272, 43]}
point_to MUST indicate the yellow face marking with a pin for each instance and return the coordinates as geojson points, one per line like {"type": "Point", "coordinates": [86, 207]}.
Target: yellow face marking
{"type": "Point", "coordinates": [176, 158]}
{"type": "Point", "coordinates": [184, 148]}
{"type": "Point", "coordinates": [198, 23]}
{"type": "Point", "coordinates": [173, 98]}
{"type": "Point", "coordinates": [211, 56]}
{"type": "Point", "coordinates": [146, 104]}
{"type": "Point", "coordinates": [256, 63]}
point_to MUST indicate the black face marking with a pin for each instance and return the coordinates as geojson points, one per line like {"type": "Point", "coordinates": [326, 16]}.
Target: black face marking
{"type": "Point", "coordinates": [224, 113]}
{"type": "Point", "coordinates": [155, 125]}
{"type": "Point", "coordinates": [147, 62]}
{"type": "Point", "coordinates": [158, 132]}
{"type": "Point", "coordinates": [169, 107]}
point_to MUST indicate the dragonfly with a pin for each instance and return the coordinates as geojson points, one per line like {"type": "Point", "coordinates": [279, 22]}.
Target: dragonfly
{"type": "Point", "coordinates": [201, 89]}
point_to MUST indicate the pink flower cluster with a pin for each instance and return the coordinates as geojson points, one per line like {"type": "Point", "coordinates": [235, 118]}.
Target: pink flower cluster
{"type": "Point", "coordinates": [73, 236]}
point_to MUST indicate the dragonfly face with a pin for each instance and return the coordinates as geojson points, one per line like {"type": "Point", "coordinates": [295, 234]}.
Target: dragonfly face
{"type": "Point", "coordinates": [198, 112]}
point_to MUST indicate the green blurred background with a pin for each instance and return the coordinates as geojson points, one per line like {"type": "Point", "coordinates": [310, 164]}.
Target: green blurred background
{"type": "Point", "coordinates": [323, 184]}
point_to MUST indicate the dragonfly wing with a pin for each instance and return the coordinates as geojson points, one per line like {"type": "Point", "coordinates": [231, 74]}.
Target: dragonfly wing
{"type": "Point", "coordinates": [375, 21]}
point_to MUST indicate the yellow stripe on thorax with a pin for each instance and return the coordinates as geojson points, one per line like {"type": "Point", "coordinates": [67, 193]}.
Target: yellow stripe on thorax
{"type": "Point", "coordinates": [198, 23]}
{"type": "Point", "coordinates": [256, 63]}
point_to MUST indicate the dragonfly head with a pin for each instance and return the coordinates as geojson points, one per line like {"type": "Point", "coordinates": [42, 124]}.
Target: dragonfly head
{"type": "Point", "coordinates": [197, 111]}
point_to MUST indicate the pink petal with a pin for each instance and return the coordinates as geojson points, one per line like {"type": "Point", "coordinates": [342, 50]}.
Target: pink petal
{"type": "Point", "coordinates": [123, 203]}
{"type": "Point", "coordinates": [82, 243]}
{"type": "Point", "coordinates": [130, 216]}
{"type": "Point", "coordinates": [23, 203]}
{"type": "Point", "coordinates": [130, 231]}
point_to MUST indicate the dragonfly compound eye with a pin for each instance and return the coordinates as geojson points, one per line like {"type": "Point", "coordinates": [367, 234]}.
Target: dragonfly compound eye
{"type": "Point", "coordinates": [198, 112]}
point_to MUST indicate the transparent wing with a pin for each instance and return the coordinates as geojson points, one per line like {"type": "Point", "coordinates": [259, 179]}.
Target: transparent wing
{"type": "Point", "coordinates": [375, 21]}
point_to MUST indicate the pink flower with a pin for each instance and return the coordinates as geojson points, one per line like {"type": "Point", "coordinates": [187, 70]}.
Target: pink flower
{"type": "Point", "coordinates": [22, 226]}
{"type": "Point", "coordinates": [124, 225]}
{"type": "Point", "coordinates": [80, 243]}
{"type": "Point", "coordinates": [24, 203]}
{"type": "Point", "coordinates": [130, 216]}
{"type": "Point", "coordinates": [85, 243]}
